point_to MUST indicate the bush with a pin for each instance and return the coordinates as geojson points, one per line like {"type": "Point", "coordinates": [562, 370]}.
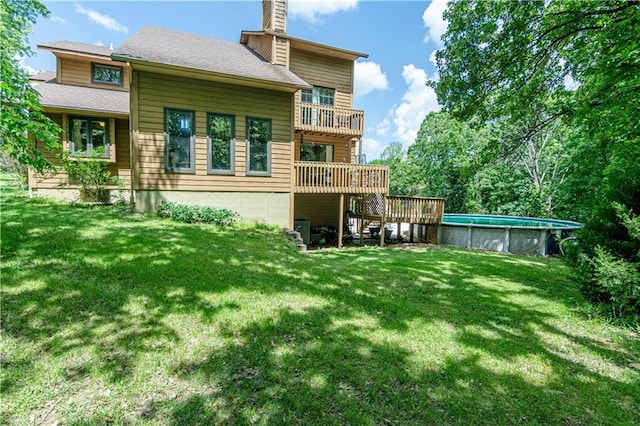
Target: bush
{"type": "Point", "coordinates": [196, 214]}
{"type": "Point", "coordinates": [610, 270]}
{"type": "Point", "coordinates": [91, 175]}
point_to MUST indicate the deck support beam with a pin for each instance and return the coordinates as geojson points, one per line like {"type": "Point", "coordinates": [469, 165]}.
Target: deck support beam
{"type": "Point", "coordinates": [341, 220]}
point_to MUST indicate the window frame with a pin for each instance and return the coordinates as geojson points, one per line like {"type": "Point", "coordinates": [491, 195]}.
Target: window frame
{"type": "Point", "coordinates": [95, 65]}
{"type": "Point", "coordinates": [192, 141]}
{"type": "Point", "coordinates": [89, 152]}
{"type": "Point", "coordinates": [248, 171]}
{"type": "Point", "coordinates": [313, 145]}
{"type": "Point", "coordinates": [232, 145]}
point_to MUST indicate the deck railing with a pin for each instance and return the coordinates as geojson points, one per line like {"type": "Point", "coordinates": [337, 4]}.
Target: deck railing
{"type": "Point", "coordinates": [414, 209]}
{"type": "Point", "coordinates": [326, 119]}
{"type": "Point", "coordinates": [399, 209]}
{"type": "Point", "coordinates": [316, 177]}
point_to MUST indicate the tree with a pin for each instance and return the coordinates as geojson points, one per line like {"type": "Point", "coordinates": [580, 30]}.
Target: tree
{"type": "Point", "coordinates": [576, 60]}
{"type": "Point", "coordinates": [22, 113]}
{"type": "Point", "coordinates": [444, 158]}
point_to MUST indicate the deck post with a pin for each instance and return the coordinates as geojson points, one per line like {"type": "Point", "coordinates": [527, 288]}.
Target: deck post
{"type": "Point", "coordinates": [382, 219]}
{"type": "Point", "coordinates": [341, 220]}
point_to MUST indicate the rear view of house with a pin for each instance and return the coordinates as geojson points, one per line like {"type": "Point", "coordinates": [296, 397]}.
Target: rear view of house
{"type": "Point", "coordinates": [265, 127]}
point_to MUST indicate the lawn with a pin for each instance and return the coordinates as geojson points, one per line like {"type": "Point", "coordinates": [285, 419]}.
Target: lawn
{"type": "Point", "coordinates": [114, 318]}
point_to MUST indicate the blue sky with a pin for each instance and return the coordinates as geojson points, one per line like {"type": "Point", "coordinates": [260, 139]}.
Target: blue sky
{"type": "Point", "coordinates": [399, 36]}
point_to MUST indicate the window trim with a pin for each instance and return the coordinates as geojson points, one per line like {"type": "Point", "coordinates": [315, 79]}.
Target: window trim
{"type": "Point", "coordinates": [95, 65]}
{"type": "Point", "coordinates": [192, 142]}
{"type": "Point", "coordinates": [89, 154]}
{"type": "Point", "coordinates": [232, 145]}
{"type": "Point", "coordinates": [248, 148]}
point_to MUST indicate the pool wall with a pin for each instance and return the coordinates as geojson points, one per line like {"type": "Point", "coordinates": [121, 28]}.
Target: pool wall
{"type": "Point", "coordinates": [510, 237]}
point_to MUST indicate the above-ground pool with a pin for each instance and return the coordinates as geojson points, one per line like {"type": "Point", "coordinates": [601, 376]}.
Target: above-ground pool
{"type": "Point", "coordinates": [510, 234]}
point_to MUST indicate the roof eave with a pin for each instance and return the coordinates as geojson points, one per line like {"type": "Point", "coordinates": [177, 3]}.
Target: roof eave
{"type": "Point", "coordinates": [338, 52]}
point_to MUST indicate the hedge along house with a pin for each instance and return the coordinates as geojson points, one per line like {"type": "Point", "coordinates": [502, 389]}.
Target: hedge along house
{"type": "Point", "coordinates": [265, 127]}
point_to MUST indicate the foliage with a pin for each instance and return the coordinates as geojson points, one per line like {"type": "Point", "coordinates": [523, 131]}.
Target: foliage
{"type": "Point", "coordinates": [400, 180]}
{"type": "Point", "coordinates": [196, 214]}
{"type": "Point", "coordinates": [91, 174]}
{"type": "Point", "coordinates": [22, 115]}
{"type": "Point", "coordinates": [533, 65]}
{"type": "Point", "coordinates": [612, 279]}
{"type": "Point", "coordinates": [128, 319]}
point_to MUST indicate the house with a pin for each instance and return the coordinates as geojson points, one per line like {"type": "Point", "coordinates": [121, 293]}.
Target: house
{"type": "Point", "coordinates": [265, 127]}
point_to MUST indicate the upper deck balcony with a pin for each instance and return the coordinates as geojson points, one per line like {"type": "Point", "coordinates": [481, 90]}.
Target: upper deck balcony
{"type": "Point", "coordinates": [329, 120]}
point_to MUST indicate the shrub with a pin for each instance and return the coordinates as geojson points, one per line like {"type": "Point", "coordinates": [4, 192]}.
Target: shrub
{"type": "Point", "coordinates": [91, 175]}
{"type": "Point", "coordinates": [610, 273]}
{"type": "Point", "coordinates": [196, 214]}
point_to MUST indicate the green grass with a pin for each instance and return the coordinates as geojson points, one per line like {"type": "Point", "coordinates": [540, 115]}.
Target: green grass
{"type": "Point", "coordinates": [113, 318]}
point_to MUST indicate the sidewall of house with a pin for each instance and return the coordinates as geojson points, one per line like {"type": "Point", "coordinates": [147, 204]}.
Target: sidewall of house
{"type": "Point", "coordinates": [266, 207]}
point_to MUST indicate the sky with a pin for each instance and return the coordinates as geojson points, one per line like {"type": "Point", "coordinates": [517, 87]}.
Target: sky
{"type": "Point", "coordinates": [400, 37]}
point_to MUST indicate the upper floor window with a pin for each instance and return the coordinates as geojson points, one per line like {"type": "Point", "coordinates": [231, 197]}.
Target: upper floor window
{"type": "Point", "coordinates": [106, 74]}
{"type": "Point", "coordinates": [179, 142]}
{"type": "Point", "coordinates": [89, 136]}
{"type": "Point", "coordinates": [258, 146]}
{"type": "Point", "coordinates": [221, 141]}
{"type": "Point", "coordinates": [319, 96]}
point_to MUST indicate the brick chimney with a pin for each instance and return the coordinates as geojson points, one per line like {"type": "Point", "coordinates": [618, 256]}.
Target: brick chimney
{"type": "Point", "coordinates": [274, 15]}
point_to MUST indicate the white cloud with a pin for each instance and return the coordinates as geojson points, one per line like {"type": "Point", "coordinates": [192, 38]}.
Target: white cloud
{"type": "Point", "coordinates": [372, 148]}
{"type": "Point", "coordinates": [368, 77]}
{"type": "Point", "coordinates": [105, 20]}
{"type": "Point", "coordinates": [382, 129]}
{"type": "Point", "coordinates": [28, 68]}
{"type": "Point", "coordinates": [416, 103]}
{"type": "Point", "coordinates": [58, 19]}
{"type": "Point", "coordinates": [432, 18]}
{"type": "Point", "coordinates": [314, 11]}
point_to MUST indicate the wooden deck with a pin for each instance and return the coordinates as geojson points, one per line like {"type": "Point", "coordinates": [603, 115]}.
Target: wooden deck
{"type": "Point", "coordinates": [329, 120]}
{"type": "Point", "coordinates": [399, 209]}
{"type": "Point", "coordinates": [340, 178]}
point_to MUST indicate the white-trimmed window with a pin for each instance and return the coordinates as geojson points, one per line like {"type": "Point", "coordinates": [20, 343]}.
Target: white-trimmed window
{"type": "Point", "coordinates": [106, 74]}
{"type": "Point", "coordinates": [179, 140]}
{"type": "Point", "coordinates": [220, 143]}
{"type": "Point", "coordinates": [258, 146]}
{"type": "Point", "coordinates": [323, 97]}
{"type": "Point", "coordinates": [89, 136]}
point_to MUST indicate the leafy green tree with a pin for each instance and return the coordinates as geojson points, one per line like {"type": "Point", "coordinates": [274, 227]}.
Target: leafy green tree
{"type": "Point", "coordinates": [444, 158]}
{"type": "Point", "coordinates": [575, 60]}
{"type": "Point", "coordinates": [400, 180]}
{"type": "Point", "coordinates": [21, 110]}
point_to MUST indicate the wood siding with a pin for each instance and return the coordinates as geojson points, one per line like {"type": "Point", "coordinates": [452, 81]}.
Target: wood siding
{"type": "Point", "coordinates": [281, 51]}
{"type": "Point", "coordinates": [262, 45]}
{"type": "Point", "coordinates": [57, 180]}
{"type": "Point", "coordinates": [325, 72]}
{"type": "Point", "coordinates": [76, 70]}
{"type": "Point", "coordinates": [156, 92]}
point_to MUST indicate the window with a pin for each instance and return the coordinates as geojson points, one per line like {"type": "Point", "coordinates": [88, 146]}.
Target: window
{"type": "Point", "coordinates": [319, 96]}
{"type": "Point", "coordinates": [89, 136]}
{"type": "Point", "coordinates": [324, 97]}
{"type": "Point", "coordinates": [221, 141]}
{"type": "Point", "coordinates": [316, 152]}
{"type": "Point", "coordinates": [258, 146]}
{"type": "Point", "coordinates": [179, 140]}
{"type": "Point", "coordinates": [106, 74]}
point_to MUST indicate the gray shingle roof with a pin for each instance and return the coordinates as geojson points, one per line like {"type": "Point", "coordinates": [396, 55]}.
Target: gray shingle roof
{"type": "Point", "coordinates": [164, 46]}
{"type": "Point", "coordinates": [79, 98]}
{"type": "Point", "coordinates": [42, 76]}
{"type": "Point", "coordinates": [75, 46]}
